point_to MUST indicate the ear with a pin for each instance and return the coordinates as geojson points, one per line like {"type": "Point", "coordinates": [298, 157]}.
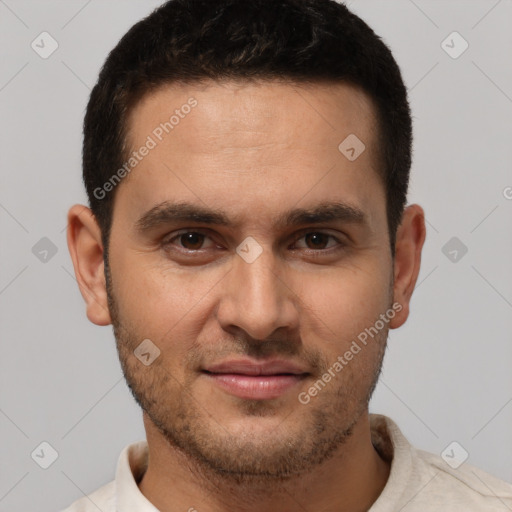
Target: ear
{"type": "Point", "coordinates": [409, 243]}
{"type": "Point", "coordinates": [86, 250]}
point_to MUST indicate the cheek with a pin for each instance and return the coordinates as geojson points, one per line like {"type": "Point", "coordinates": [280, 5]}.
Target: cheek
{"type": "Point", "coordinates": [160, 302]}
{"type": "Point", "coordinates": [343, 303]}
{"type": "Point", "coordinates": [164, 303]}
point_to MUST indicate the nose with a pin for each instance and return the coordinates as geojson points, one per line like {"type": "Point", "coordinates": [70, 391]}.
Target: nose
{"type": "Point", "coordinates": [258, 298]}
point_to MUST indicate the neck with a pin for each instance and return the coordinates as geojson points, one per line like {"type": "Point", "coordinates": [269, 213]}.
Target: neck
{"type": "Point", "coordinates": [350, 481]}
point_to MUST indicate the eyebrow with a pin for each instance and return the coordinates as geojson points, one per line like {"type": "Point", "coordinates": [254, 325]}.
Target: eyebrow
{"type": "Point", "coordinates": [167, 213]}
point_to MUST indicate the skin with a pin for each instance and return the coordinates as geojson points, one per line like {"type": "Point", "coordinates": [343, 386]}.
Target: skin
{"type": "Point", "coordinates": [256, 151]}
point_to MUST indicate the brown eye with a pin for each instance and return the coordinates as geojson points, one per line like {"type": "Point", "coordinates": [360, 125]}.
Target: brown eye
{"type": "Point", "coordinates": [192, 240]}
{"type": "Point", "coordinates": [317, 241]}
{"type": "Point", "coordinates": [188, 240]}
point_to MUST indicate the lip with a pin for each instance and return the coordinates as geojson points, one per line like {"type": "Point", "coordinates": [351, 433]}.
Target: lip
{"type": "Point", "coordinates": [251, 367]}
{"type": "Point", "coordinates": [256, 380]}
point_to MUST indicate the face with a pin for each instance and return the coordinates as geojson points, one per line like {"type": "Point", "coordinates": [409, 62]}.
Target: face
{"type": "Point", "coordinates": [253, 254]}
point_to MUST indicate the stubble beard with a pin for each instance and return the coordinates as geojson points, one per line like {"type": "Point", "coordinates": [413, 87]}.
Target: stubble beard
{"type": "Point", "coordinates": [309, 436]}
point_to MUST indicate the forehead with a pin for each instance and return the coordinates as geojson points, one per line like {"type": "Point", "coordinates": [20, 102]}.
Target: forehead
{"type": "Point", "coordinates": [299, 114]}
{"type": "Point", "coordinates": [236, 144]}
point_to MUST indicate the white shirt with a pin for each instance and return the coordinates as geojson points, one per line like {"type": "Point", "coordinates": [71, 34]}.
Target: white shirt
{"type": "Point", "coordinates": [418, 482]}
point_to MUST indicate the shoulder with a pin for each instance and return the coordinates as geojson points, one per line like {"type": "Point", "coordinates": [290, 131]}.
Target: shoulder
{"type": "Point", "coordinates": [420, 481]}
{"type": "Point", "coordinates": [463, 488]}
{"type": "Point", "coordinates": [122, 492]}
{"type": "Point", "coordinates": [102, 499]}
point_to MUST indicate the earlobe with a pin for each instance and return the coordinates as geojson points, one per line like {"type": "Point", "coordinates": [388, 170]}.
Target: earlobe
{"type": "Point", "coordinates": [410, 238]}
{"type": "Point", "coordinates": [86, 250]}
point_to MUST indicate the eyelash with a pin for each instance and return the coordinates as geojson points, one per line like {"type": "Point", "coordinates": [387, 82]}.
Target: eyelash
{"type": "Point", "coordinates": [340, 245]}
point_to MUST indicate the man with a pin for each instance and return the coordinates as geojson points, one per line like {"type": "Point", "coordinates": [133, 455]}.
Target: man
{"type": "Point", "coordinates": [247, 165]}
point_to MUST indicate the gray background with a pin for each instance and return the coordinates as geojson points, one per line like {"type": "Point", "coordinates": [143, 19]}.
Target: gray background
{"type": "Point", "coordinates": [447, 374]}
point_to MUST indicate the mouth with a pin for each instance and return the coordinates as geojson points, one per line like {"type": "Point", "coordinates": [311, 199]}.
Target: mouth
{"type": "Point", "coordinates": [253, 380]}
